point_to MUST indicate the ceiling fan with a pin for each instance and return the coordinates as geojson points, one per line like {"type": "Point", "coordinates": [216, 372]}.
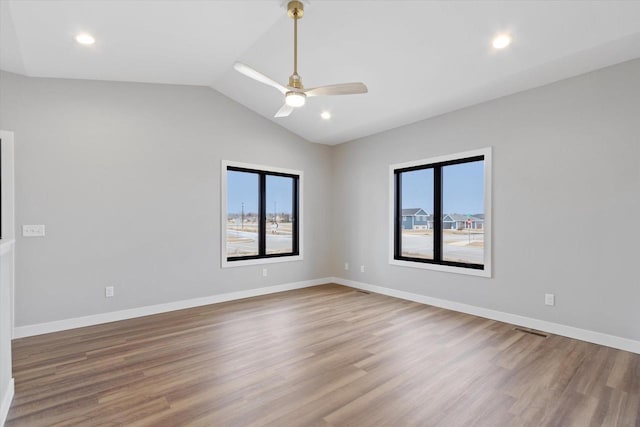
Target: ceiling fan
{"type": "Point", "coordinates": [295, 94]}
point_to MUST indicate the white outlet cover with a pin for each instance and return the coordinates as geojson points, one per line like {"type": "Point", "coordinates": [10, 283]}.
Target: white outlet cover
{"type": "Point", "coordinates": [549, 299]}
{"type": "Point", "coordinates": [346, 266]}
{"type": "Point", "coordinates": [264, 272]}
{"type": "Point", "coordinates": [108, 291]}
{"type": "Point", "coordinates": [362, 269]}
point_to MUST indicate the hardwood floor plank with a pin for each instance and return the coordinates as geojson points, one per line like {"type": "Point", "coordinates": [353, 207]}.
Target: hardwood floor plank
{"type": "Point", "coordinates": [322, 356]}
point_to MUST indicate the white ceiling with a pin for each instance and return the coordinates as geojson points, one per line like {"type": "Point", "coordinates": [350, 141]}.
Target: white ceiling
{"type": "Point", "coordinates": [418, 58]}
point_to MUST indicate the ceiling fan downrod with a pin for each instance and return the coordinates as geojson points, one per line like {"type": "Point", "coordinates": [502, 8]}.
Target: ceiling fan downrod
{"type": "Point", "coordinates": [295, 10]}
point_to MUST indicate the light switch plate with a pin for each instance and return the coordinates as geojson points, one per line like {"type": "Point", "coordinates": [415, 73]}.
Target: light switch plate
{"type": "Point", "coordinates": [33, 230]}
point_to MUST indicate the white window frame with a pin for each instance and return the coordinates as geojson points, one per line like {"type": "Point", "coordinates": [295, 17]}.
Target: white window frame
{"type": "Point", "coordinates": [223, 215]}
{"type": "Point", "coordinates": [486, 272]}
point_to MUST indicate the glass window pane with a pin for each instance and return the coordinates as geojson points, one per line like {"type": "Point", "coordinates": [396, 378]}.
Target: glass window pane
{"type": "Point", "coordinates": [463, 212]}
{"type": "Point", "coordinates": [417, 214]}
{"type": "Point", "coordinates": [279, 214]}
{"type": "Point", "coordinates": [242, 213]}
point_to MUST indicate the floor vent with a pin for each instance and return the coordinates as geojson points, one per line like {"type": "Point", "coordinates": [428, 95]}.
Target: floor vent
{"type": "Point", "coordinates": [532, 332]}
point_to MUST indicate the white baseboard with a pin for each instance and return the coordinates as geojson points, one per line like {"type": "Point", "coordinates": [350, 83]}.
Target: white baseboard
{"type": "Point", "coordinates": [528, 322]}
{"type": "Point", "coordinates": [514, 319]}
{"type": "Point", "coordinates": [96, 319]}
{"type": "Point", "coordinates": [6, 402]}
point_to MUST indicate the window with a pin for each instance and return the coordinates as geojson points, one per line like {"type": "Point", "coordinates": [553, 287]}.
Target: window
{"type": "Point", "coordinates": [457, 189]}
{"type": "Point", "coordinates": [261, 214]}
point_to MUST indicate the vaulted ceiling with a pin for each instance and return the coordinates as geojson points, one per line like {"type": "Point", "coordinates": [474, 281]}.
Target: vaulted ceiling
{"type": "Point", "coordinates": [418, 58]}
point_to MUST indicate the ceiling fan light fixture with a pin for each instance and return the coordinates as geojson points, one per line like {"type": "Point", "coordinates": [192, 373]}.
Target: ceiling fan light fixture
{"type": "Point", "coordinates": [501, 41]}
{"type": "Point", "coordinates": [85, 39]}
{"type": "Point", "coordinates": [295, 99]}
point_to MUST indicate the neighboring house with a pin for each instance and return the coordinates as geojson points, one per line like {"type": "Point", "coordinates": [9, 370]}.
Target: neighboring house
{"type": "Point", "coordinates": [419, 219]}
{"type": "Point", "coordinates": [416, 219]}
{"type": "Point", "coordinates": [460, 222]}
{"type": "Point", "coordinates": [477, 221]}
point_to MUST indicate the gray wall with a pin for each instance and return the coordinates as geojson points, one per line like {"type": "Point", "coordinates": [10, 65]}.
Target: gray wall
{"type": "Point", "coordinates": [126, 178]}
{"type": "Point", "coordinates": [566, 158]}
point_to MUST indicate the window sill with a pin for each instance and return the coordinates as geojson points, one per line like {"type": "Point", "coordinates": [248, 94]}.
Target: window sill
{"type": "Point", "coordinates": [446, 268]}
{"type": "Point", "coordinates": [240, 263]}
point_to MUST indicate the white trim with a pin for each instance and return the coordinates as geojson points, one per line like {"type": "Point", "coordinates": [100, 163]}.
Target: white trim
{"type": "Point", "coordinates": [439, 267]}
{"type": "Point", "coordinates": [6, 245]}
{"type": "Point", "coordinates": [8, 186]}
{"type": "Point", "coordinates": [528, 322]}
{"type": "Point", "coordinates": [7, 250]}
{"type": "Point", "coordinates": [6, 401]}
{"type": "Point", "coordinates": [96, 319]}
{"type": "Point", "coordinates": [223, 215]}
{"type": "Point", "coordinates": [488, 168]}
{"type": "Point", "coordinates": [444, 158]}
{"type": "Point", "coordinates": [259, 261]}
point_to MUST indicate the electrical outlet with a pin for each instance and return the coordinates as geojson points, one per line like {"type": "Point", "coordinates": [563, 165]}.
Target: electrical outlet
{"type": "Point", "coordinates": [549, 299]}
{"type": "Point", "coordinates": [346, 266]}
{"type": "Point", "coordinates": [33, 230]}
{"type": "Point", "coordinates": [108, 291]}
{"type": "Point", "coordinates": [362, 269]}
{"type": "Point", "coordinates": [264, 272]}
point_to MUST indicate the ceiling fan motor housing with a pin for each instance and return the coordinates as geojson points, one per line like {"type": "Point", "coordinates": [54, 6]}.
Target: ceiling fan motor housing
{"type": "Point", "coordinates": [295, 81]}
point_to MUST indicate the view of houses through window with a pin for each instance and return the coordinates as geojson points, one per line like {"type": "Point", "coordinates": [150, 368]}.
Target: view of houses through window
{"type": "Point", "coordinates": [417, 210]}
{"type": "Point", "coordinates": [279, 214]}
{"type": "Point", "coordinates": [242, 213]}
{"type": "Point", "coordinates": [454, 189]}
{"type": "Point", "coordinates": [261, 214]}
{"type": "Point", "coordinates": [463, 212]}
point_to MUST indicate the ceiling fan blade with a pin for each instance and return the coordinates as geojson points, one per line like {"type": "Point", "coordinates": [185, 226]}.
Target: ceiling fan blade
{"type": "Point", "coordinates": [339, 89]}
{"type": "Point", "coordinates": [284, 111]}
{"type": "Point", "coordinates": [255, 75]}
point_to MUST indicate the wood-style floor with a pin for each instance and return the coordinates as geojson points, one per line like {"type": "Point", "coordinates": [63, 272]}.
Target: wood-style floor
{"type": "Point", "coordinates": [322, 356]}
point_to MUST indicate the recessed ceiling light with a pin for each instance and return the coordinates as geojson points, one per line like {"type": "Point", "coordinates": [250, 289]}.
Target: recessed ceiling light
{"type": "Point", "coordinates": [325, 115]}
{"type": "Point", "coordinates": [86, 39]}
{"type": "Point", "coordinates": [501, 41]}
